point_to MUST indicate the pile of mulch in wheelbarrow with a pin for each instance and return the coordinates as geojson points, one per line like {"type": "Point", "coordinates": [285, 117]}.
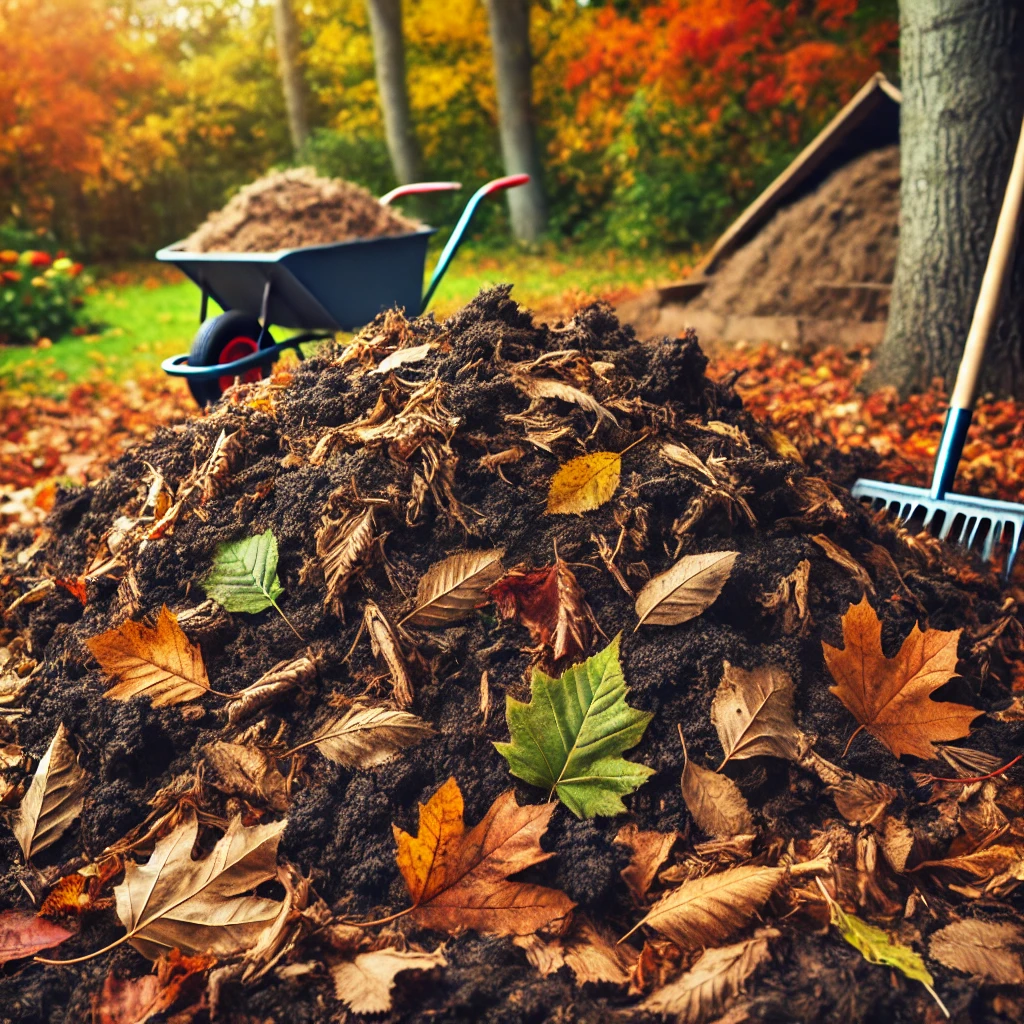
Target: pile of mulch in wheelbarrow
{"type": "Point", "coordinates": [367, 693]}
{"type": "Point", "coordinates": [293, 208]}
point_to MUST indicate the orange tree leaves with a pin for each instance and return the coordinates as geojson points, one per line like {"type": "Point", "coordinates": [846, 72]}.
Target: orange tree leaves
{"type": "Point", "coordinates": [891, 697]}
{"type": "Point", "coordinates": [459, 879]}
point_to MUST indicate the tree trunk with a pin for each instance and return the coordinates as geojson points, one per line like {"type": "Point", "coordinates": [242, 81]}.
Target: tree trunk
{"type": "Point", "coordinates": [510, 41]}
{"type": "Point", "coordinates": [962, 70]}
{"type": "Point", "coordinates": [389, 60]}
{"type": "Point", "coordinates": [286, 32]}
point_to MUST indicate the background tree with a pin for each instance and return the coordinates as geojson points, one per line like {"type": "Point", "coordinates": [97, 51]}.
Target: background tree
{"type": "Point", "coordinates": [513, 67]}
{"type": "Point", "coordinates": [389, 62]}
{"type": "Point", "coordinates": [962, 71]}
{"type": "Point", "coordinates": [286, 33]}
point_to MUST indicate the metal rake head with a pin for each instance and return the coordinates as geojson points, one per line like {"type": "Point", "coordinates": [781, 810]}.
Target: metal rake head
{"type": "Point", "coordinates": [979, 523]}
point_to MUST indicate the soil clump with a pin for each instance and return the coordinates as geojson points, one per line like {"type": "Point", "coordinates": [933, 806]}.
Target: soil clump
{"type": "Point", "coordinates": [293, 208]}
{"type": "Point", "coordinates": [452, 448]}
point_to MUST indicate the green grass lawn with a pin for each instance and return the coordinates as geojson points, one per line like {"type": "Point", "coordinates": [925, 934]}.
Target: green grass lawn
{"type": "Point", "coordinates": [138, 325]}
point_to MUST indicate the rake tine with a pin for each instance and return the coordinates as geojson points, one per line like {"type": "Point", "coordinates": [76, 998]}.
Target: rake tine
{"type": "Point", "coordinates": [992, 538]}
{"type": "Point", "coordinates": [977, 520]}
{"type": "Point", "coordinates": [947, 525]}
{"type": "Point", "coordinates": [930, 514]}
{"type": "Point", "coordinates": [1012, 553]}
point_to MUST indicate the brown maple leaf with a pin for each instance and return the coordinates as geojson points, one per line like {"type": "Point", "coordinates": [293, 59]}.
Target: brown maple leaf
{"type": "Point", "coordinates": [459, 879]}
{"type": "Point", "coordinates": [551, 604]}
{"type": "Point", "coordinates": [891, 697]}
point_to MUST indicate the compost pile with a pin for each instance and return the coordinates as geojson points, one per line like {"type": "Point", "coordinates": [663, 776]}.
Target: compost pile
{"type": "Point", "coordinates": [293, 208]}
{"type": "Point", "coordinates": [828, 255]}
{"type": "Point", "coordinates": [365, 694]}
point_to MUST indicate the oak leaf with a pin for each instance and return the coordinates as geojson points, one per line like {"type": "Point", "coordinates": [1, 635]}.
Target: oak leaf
{"type": "Point", "coordinates": [369, 735]}
{"type": "Point", "coordinates": [23, 934]}
{"type": "Point", "coordinates": [364, 983]}
{"type": "Point", "coordinates": [584, 483]}
{"type": "Point", "coordinates": [705, 911]}
{"type": "Point", "coordinates": [155, 661]}
{"type": "Point", "coordinates": [717, 976]}
{"type": "Point", "coordinates": [753, 713]}
{"type": "Point", "coordinates": [686, 590]}
{"type": "Point", "coordinates": [459, 879]}
{"type": "Point", "coordinates": [987, 950]}
{"type": "Point", "coordinates": [570, 737]}
{"type": "Point", "coordinates": [891, 697]}
{"type": "Point", "coordinates": [452, 588]}
{"type": "Point", "coordinates": [551, 604]}
{"type": "Point", "coordinates": [197, 906]}
{"type": "Point", "coordinates": [54, 798]}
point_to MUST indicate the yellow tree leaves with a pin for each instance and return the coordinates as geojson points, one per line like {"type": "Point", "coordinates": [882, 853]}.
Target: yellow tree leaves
{"type": "Point", "coordinates": [459, 879]}
{"type": "Point", "coordinates": [156, 661]}
{"type": "Point", "coordinates": [891, 697]}
{"type": "Point", "coordinates": [584, 483]}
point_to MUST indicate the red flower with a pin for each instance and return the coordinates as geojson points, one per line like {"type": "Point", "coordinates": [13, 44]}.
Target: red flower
{"type": "Point", "coordinates": [76, 269]}
{"type": "Point", "coordinates": [40, 259]}
{"type": "Point", "coordinates": [10, 275]}
{"type": "Point", "coordinates": [8, 256]}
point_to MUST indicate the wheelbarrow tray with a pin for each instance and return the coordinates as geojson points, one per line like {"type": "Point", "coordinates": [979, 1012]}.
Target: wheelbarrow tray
{"type": "Point", "coordinates": [337, 287]}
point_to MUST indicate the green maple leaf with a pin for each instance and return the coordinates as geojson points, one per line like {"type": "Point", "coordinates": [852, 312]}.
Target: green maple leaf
{"type": "Point", "coordinates": [570, 736]}
{"type": "Point", "coordinates": [244, 576]}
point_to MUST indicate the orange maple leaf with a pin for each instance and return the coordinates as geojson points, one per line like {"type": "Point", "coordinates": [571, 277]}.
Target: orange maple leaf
{"type": "Point", "coordinates": [891, 697]}
{"type": "Point", "coordinates": [459, 879]}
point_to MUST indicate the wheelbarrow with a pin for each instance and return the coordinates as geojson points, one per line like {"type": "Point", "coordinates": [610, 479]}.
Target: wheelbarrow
{"type": "Point", "coordinates": [316, 289]}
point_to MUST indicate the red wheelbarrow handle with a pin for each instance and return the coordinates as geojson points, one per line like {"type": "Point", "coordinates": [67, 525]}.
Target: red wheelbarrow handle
{"type": "Point", "coordinates": [418, 188]}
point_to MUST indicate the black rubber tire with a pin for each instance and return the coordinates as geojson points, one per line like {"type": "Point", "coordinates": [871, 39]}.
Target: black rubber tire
{"type": "Point", "coordinates": [210, 341]}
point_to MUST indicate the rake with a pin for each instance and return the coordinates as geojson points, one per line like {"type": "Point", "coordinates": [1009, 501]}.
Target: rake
{"type": "Point", "coordinates": [958, 518]}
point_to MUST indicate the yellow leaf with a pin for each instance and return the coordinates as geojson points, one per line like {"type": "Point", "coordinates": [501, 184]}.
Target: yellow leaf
{"type": "Point", "coordinates": [585, 483]}
{"type": "Point", "coordinates": [157, 661]}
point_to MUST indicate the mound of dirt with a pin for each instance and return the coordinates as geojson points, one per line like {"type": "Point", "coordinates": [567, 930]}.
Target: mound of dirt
{"type": "Point", "coordinates": [829, 255]}
{"type": "Point", "coordinates": [288, 209]}
{"type": "Point", "coordinates": [419, 486]}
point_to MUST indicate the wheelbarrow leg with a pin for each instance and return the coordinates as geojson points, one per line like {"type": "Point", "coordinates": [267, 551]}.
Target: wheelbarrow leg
{"type": "Point", "coordinates": [264, 307]}
{"type": "Point", "coordinates": [203, 304]}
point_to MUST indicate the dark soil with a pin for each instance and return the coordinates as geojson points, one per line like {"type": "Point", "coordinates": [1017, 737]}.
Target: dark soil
{"type": "Point", "coordinates": [293, 208]}
{"type": "Point", "coordinates": [829, 255]}
{"type": "Point", "coordinates": [339, 825]}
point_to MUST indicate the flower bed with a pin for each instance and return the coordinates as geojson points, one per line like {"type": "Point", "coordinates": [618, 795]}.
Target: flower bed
{"type": "Point", "coordinates": [40, 297]}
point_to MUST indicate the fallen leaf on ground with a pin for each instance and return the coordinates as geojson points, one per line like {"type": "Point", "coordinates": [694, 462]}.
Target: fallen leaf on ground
{"type": "Point", "coordinates": [54, 798]}
{"type": "Point", "coordinates": [75, 587]}
{"type": "Point", "coordinates": [844, 560]}
{"type": "Point", "coordinates": [364, 984]}
{"type": "Point", "coordinates": [384, 644]}
{"type": "Point", "coordinates": [459, 879]}
{"type": "Point", "coordinates": [591, 953]}
{"type": "Point", "coordinates": [452, 588]}
{"type": "Point", "coordinates": [707, 910]}
{"type": "Point", "coordinates": [861, 801]}
{"type": "Point", "coordinates": [137, 1000]}
{"type": "Point", "coordinates": [23, 934]}
{"type": "Point", "coordinates": [238, 769]}
{"type": "Point", "coordinates": [368, 735]}
{"type": "Point", "coordinates": [551, 604]}
{"type": "Point", "coordinates": [891, 697]}
{"type": "Point", "coordinates": [987, 950]}
{"type": "Point", "coordinates": [284, 677]}
{"type": "Point", "coordinates": [569, 739]}
{"type": "Point", "coordinates": [344, 546]}
{"type": "Point", "coordinates": [584, 483]}
{"type": "Point", "coordinates": [414, 354]}
{"type": "Point", "coordinates": [243, 577]}
{"type": "Point", "coordinates": [196, 906]}
{"type": "Point", "coordinates": [686, 590]}
{"type": "Point", "coordinates": [718, 976]}
{"type": "Point", "coordinates": [753, 713]}
{"type": "Point", "coordinates": [542, 387]}
{"type": "Point", "coordinates": [715, 801]}
{"type": "Point", "coordinates": [155, 661]}
{"type": "Point", "coordinates": [650, 851]}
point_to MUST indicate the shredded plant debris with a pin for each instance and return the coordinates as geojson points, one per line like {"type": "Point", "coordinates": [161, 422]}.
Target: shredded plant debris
{"type": "Point", "coordinates": [494, 670]}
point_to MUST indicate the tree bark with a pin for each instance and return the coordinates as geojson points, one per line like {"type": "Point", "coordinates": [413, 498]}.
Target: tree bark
{"type": "Point", "coordinates": [286, 32]}
{"type": "Point", "coordinates": [962, 71]}
{"type": "Point", "coordinates": [510, 41]}
{"type": "Point", "coordinates": [389, 61]}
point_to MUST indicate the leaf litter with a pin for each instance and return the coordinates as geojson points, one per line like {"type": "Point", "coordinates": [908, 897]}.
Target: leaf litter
{"type": "Point", "coordinates": [436, 507]}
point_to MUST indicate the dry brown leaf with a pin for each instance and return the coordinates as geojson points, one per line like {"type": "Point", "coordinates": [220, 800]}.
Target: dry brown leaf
{"type": "Point", "coordinates": [23, 934]}
{"type": "Point", "coordinates": [196, 906]}
{"type": "Point", "coordinates": [551, 604]}
{"type": "Point", "coordinates": [791, 598]}
{"type": "Point", "coordinates": [237, 769]}
{"type": "Point", "coordinates": [686, 590]}
{"type": "Point", "coordinates": [705, 911]}
{"type": "Point", "coordinates": [414, 354]}
{"type": "Point", "coordinates": [984, 949]}
{"type": "Point", "coordinates": [368, 735]}
{"type": "Point", "coordinates": [384, 644]}
{"type": "Point", "coordinates": [364, 984]}
{"type": "Point", "coordinates": [861, 801]}
{"type": "Point", "coordinates": [844, 560]}
{"type": "Point", "coordinates": [137, 1000]}
{"type": "Point", "coordinates": [715, 802]}
{"type": "Point", "coordinates": [753, 713]}
{"type": "Point", "coordinates": [459, 879]}
{"type": "Point", "coordinates": [718, 976]}
{"type": "Point", "coordinates": [54, 798]}
{"type": "Point", "coordinates": [284, 677]}
{"type": "Point", "coordinates": [984, 865]}
{"type": "Point", "coordinates": [591, 953]}
{"type": "Point", "coordinates": [156, 661]}
{"type": "Point", "coordinates": [542, 387]}
{"type": "Point", "coordinates": [650, 851]}
{"type": "Point", "coordinates": [680, 455]}
{"type": "Point", "coordinates": [891, 697]}
{"type": "Point", "coordinates": [344, 546]}
{"type": "Point", "coordinates": [451, 589]}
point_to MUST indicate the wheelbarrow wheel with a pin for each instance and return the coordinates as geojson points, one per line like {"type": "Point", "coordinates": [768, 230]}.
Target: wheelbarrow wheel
{"type": "Point", "coordinates": [223, 339]}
